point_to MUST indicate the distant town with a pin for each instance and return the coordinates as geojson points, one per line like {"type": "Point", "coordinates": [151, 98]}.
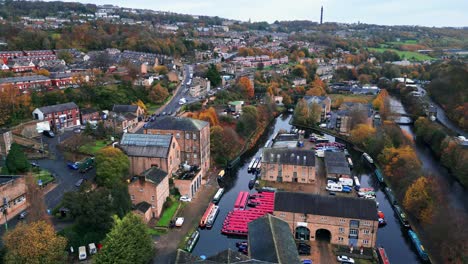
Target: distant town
{"type": "Point", "coordinates": [141, 136]}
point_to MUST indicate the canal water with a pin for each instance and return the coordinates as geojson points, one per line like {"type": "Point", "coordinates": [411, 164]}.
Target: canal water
{"type": "Point", "coordinates": [392, 237]}
{"type": "Point", "coordinates": [455, 192]}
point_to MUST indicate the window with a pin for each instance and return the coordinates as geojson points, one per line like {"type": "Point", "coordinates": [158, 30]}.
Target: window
{"type": "Point", "coordinates": [365, 242]}
{"type": "Point", "coordinates": [353, 233]}
{"type": "Point", "coordinates": [187, 135]}
{"type": "Point", "coordinates": [342, 221]}
{"type": "Point", "coordinates": [366, 223]}
{"type": "Point", "coordinates": [132, 197]}
{"type": "Point", "coordinates": [187, 156]}
{"type": "Point", "coordinates": [323, 218]}
{"type": "Point", "coordinates": [173, 144]}
{"type": "Point", "coordinates": [194, 136]}
{"type": "Point", "coordinates": [282, 215]}
{"type": "Point", "coordinates": [354, 223]}
{"type": "Point", "coordinates": [177, 135]}
{"type": "Point", "coordinates": [366, 231]}
{"type": "Point", "coordinates": [152, 206]}
{"type": "Point", "coordinates": [195, 156]}
{"type": "Point", "coordinates": [341, 230]}
{"type": "Point", "coordinates": [141, 189]}
{"type": "Point", "coordinates": [152, 198]}
{"type": "Point", "coordinates": [340, 239]}
{"type": "Point", "coordinates": [271, 177]}
{"type": "Point", "coordinates": [304, 217]}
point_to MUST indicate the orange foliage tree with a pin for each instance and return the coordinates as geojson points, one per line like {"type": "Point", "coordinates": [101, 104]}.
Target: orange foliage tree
{"type": "Point", "coordinates": [379, 101]}
{"type": "Point", "coordinates": [208, 115]}
{"type": "Point", "coordinates": [158, 93]}
{"type": "Point", "coordinates": [400, 164]}
{"type": "Point", "coordinates": [420, 199]}
{"type": "Point", "coordinates": [13, 105]}
{"type": "Point", "coordinates": [361, 134]}
{"type": "Point", "coordinates": [246, 87]}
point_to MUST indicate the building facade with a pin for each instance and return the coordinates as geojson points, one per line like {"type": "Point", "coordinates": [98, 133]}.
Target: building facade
{"type": "Point", "coordinates": [6, 139]}
{"type": "Point", "coordinates": [59, 116]}
{"type": "Point", "coordinates": [288, 165]}
{"type": "Point", "coordinates": [338, 220]}
{"type": "Point", "coordinates": [336, 165]}
{"type": "Point", "coordinates": [152, 187]}
{"type": "Point", "coordinates": [13, 194]}
{"type": "Point", "coordinates": [192, 135]}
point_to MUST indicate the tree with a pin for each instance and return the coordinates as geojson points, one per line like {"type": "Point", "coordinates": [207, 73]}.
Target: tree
{"type": "Point", "coordinates": [246, 87]}
{"type": "Point", "coordinates": [34, 243]}
{"type": "Point", "coordinates": [161, 69]}
{"type": "Point", "coordinates": [43, 72]}
{"type": "Point", "coordinates": [35, 197]}
{"type": "Point", "coordinates": [127, 242]}
{"type": "Point", "coordinates": [248, 121]}
{"type": "Point", "coordinates": [66, 56]}
{"type": "Point", "coordinates": [213, 75]}
{"type": "Point", "coordinates": [361, 134]}
{"type": "Point", "coordinates": [111, 166]}
{"type": "Point", "coordinates": [141, 105]}
{"type": "Point", "coordinates": [158, 94]}
{"type": "Point", "coordinates": [16, 161]}
{"type": "Point", "coordinates": [300, 71]}
{"type": "Point", "coordinates": [301, 113]}
{"type": "Point", "coordinates": [420, 199]}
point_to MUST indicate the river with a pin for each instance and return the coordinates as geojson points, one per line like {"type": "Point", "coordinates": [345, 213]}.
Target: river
{"type": "Point", "coordinates": [392, 237]}
{"type": "Point", "coordinates": [457, 195]}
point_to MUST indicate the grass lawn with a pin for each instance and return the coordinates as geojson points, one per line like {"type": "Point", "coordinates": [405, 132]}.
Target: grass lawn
{"type": "Point", "coordinates": [93, 147]}
{"type": "Point", "coordinates": [168, 214]}
{"type": "Point", "coordinates": [44, 176]}
{"type": "Point", "coordinates": [409, 55]}
{"type": "Point", "coordinates": [156, 232]}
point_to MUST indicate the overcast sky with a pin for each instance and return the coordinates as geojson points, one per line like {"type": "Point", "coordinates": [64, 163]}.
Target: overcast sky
{"type": "Point", "coordinates": [382, 12]}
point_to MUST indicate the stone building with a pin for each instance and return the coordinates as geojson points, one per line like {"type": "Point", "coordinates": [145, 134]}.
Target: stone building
{"type": "Point", "coordinates": [336, 165]}
{"type": "Point", "coordinates": [192, 135]}
{"type": "Point", "coordinates": [146, 150]}
{"type": "Point", "coordinates": [6, 139]}
{"type": "Point", "coordinates": [338, 220]}
{"type": "Point", "coordinates": [13, 193]}
{"type": "Point", "coordinates": [288, 165]}
{"type": "Point", "coordinates": [150, 187]}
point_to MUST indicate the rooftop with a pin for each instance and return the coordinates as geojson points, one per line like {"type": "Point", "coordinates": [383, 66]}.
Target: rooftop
{"type": "Point", "coordinates": [292, 156]}
{"type": "Point", "coordinates": [336, 163]}
{"type": "Point", "coordinates": [178, 123]}
{"type": "Point", "coordinates": [24, 79]}
{"type": "Point", "coordinates": [336, 206]}
{"type": "Point", "coordinates": [146, 145]}
{"type": "Point", "coordinates": [58, 108]}
{"type": "Point", "coordinates": [143, 207]}
{"type": "Point", "coordinates": [124, 108]}
{"type": "Point", "coordinates": [270, 239]}
{"type": "Point", "coordinates": [154, 174]}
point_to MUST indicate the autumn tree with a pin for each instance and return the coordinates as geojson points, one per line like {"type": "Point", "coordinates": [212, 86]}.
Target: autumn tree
{"type": "Point", "coordinates": [111, 166]}
{"type": "Point", "coordinates": [379, 102]}
{"type": "Point", "coordinates": [209, 115]}
{"type": "Point", "coordinates": [421, 199]}
{"type": "Point", "coordinates": [127, 242]}
{"type": "Point", "coordinates": [401, 165]}
{"type": "Point", "coordinates": [299, 71]}
{"type": "Point", "coordinates": [246, 87]}
{"type": "Point", "coordinates": [35, 197]}
{"type": "Point", "coordinates": [34, 243]}
{"type": "Point", "coordinates": [158, 93]}
{"type": "Point", "coordinates": [161, 69]}
{"type": "Point", "coordinates": [317, 88]}
{"type": "Point", "coordinates": [301, 112]}
{"type": "Point", "coordinates": [361, 134]}
{"type": "Point", "coordinates": [141, 104]}
{"type": "Point", "coordinates": [43, 72]}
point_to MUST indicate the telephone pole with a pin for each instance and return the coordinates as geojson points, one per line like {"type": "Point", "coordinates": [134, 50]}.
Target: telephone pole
{"type": "Point", "coordinates": [321, 15]}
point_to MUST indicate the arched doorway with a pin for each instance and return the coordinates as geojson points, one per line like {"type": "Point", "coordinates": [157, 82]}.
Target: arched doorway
{"type": "Point", "coordinates": [302, 233]}
{"type": "Point", "coordinates": [323, 235]}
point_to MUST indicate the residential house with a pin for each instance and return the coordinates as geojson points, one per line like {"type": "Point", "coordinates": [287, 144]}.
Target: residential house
{"type": "Point", "coordinates": [13, 190]}
{"type": "Point", "coordinates": [10, 54]}
{"type": "Point", "coordinates": [339, 220]}
{"type": "Point", "coordinates": [323, 101]}
{"type": "Point", "coordinates": [200, 87]}
{"type": "Point", "coordinates": [61, 79]}
{"type": "Point", "coordinates": [288, 165]}
{"type": "Point", "coordinates": [349, 115]}
{"type": "Point", "coordinates": [193, 136]}
{"type": "Point", "coordinates": [21, 66]}
{"type": "Point", "coordinates": [336, 165]}
{"type": "Point", "coordinates": [89, 115]}
{"type": "Point", "coordinates": [121, 123]}
{"type": "Point", "coordinates": [4, 66]}
{"type": "Point", "coordinates": [148, 191]}
{"type": "Point", "coordinates": [59, 116]}
{"type": "Point", "coordinates": [147, 150]}
{"type": "Point", "coordinates": [6, 138]}
{"type": "Point", "coordinates": [134, 109]}
{"type": "Point", "coordinates": [236, 106]}
{"type": "Point", "coordinates": [26, 82]}
{"type": "Point", "coordinates": [300, 81]}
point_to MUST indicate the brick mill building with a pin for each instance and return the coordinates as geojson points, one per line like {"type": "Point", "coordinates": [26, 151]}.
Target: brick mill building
{"type": "Point", "coordinates": [13, 191]}
{"type": "Point", "coordinates": [288, 165]}
{"type": "Point", "coordinates": [192, 135]}
{"type": "Point", "coordinates": [339, 220]}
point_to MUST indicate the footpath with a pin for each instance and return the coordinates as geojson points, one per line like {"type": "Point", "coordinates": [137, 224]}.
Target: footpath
{"type": "Point", "coordinates": [166, 245]}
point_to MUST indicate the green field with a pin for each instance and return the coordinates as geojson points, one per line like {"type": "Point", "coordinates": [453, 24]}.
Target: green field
{"type": "Point", "coordinates": [408, 41]}
{"type": "Point", "coordinates": [44, 176]}
{"type": "Point", "coordinates": [93, 147]}
{"type": "Point", "coordinates": [409, 55]}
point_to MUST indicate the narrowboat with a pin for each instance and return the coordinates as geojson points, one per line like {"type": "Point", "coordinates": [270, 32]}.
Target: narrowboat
{"type": "Point", "coordinates": [192, 241]}
{"type": "Point", "coordinates": [207, 214]}
{"type": "Point", "coordinates": [401, 216]}
{"type": "Point", "coordinates": [379, 175]}
{"type": "Point", "coordinates": [251, 164]}
{"type": "Point", "coordinates": [419, 247]}
{"type": "Point", "coordinates": [221, 175]}
{"type": "Point", "coordinates": [218, 195]}
{"type": "Point", "coordinates": [368, 158]}
{"type": "Point", "coordinates": [212, 216]}
{"type": "Point", "coordinates": [390, 195]}
{"type": "Point", "coordinates": [383, 259]}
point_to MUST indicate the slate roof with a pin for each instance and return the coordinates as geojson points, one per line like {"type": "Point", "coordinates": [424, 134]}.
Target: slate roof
{"type": "Point", "coordinates": [143, 207]}
{"type": "Point", "coordinates": [336, 206]}
{"type": "Point", "coordinates": [24, 79]}
{"type": "Point", "coordinates": [178, 123]}
{"type": "Point", "coordinates": [228, 256]}
{"type": "Point", "coordinates": [336, 163]}
{"type": "Point", "coordinates": [154, 174]}
{"type": "Point", "coordinates": [146, 145]}
{"type": "Point", "coordinates": [124, 108]}
{"type": "Point", "coordinates": [291, 156]}
{"type": "Point", "coordinates": [58, 108]}
{"type": "Point", "coordinates": [270, 239]}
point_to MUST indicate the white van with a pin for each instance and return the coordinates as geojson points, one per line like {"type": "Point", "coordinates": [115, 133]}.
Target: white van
{"type": "Point", "coordinates": [92, 248]}
{"type": "Point", "coordinates": [82, 253]}
{"type": "Point", "coordinates": [334, 187]}
{"type": "Point", "coordinates": [346, 181]}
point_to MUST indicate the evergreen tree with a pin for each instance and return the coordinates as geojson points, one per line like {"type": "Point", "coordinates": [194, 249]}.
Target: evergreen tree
{"type": "Point", "coordinates": [213, 75]}
{"type": "Point", "coordinates": [16, 161]}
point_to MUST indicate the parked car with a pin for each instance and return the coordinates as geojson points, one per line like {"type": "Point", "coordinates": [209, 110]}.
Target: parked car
{"type": "Point", "coordinates": [163, 113]}
{"type": "Point", "coordinates": [77, 130]}
{"type": "Point", "coordinates": [145, 125]}
{"type": "Point", "coordinates": [22, 215]}
{"type": "Point", "coordinates": [185, 198]}
{"type": "Point", "coordinates": [79, 182]}
{"type": "Point", "coordinates": [345, 259]}
{"type": "Point", "coordinates": [307, 261]}
{"type": "Point", "coordinates": [323, 126]}
{"type": "Point", "coordinates": [73, 165]}
{"type": "Point", "coordinates": [82, 253]}
{"type": "Point", "coordinates": [34, 164]}
{"type": "Point", "coordinates": [48, 133]}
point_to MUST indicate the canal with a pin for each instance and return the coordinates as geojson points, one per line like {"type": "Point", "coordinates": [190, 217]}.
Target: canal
{"type": "Point", "coordinates": [392, 237]}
